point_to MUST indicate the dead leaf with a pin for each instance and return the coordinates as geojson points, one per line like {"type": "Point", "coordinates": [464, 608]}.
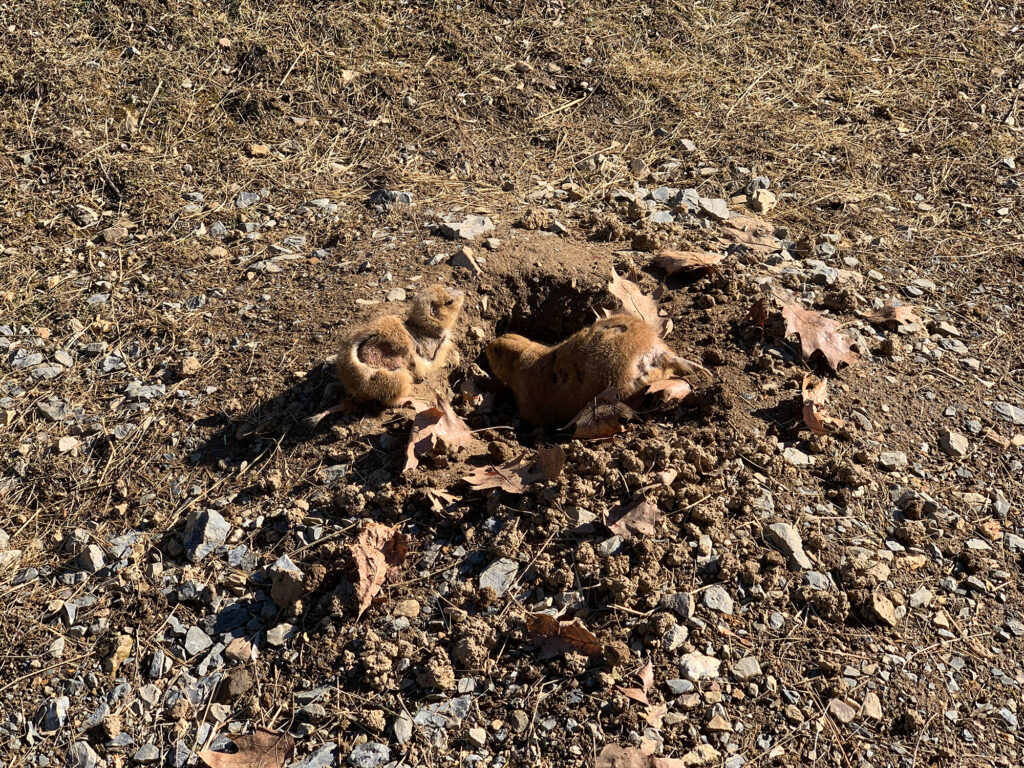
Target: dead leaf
{"type": "Point", "coordinates": [817, 333]}
{"type": "Point", "coordinates": [654, 715]}
{"type": "Point", "coordinates": [646, 675]}
{"type": "Point", "coordinates": [377, 550]}
{"type": "Point", "coordinates": [636, 302]}
{"type": "Point", "coordinates": [671, 389]}
{"type": "Point", "coordinates": [892, 316]}
{"type": "Point", "coordinates": [262, 749]}
{"type": "Point", "coordinates": [433, 428]}
{"type": "Point", "coordinates": [750, 232]}
{"type": "Point", "coordinates": [815, 417]}
{"type": "Point", "coordinates": [678, 261]}
{"type": "Point", "coordinates": [440, 501]}
{"type": "Point", "coordinates": [516, 475]}
{"type": "Point", "coordinates": [480, 400]}
{"type": "Point", "coordinates": [636, 518]}
{"type": "Point", "coordinates": [601, 417]}
{"type": "Point", "coordinates": [561, 636]}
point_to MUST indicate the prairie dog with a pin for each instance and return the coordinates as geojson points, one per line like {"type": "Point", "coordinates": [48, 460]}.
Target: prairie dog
{"type": "Point", "coordinates": [380, 361]}
{"type": "Point", "coordinates": [377, 362]}
{"type": "Point", "coordinates": [432, 317]}
{"type": "Point", "coordinates": [552, 384]}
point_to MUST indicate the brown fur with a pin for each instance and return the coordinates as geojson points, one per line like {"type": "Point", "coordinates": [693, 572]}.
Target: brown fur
{"type": "Point", "coordinates": [552, 384]}
{"type": "Point", "coordinates": [380, 361]}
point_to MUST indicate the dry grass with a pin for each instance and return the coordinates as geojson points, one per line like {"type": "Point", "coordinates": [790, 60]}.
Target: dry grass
{"type": "Point", "coordinates": [856, 107]}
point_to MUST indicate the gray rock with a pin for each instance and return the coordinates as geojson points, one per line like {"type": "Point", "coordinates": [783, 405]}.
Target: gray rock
{"type": "Point", "coordinates": [205, 530]}
{"type": "Point", "coordinates": [786, 539]}
{"type": "Point", "coordinates": [499, 575]}
{"type": "Point", "coordinates": [717, 599]}
{"type": "Point", "coordinates": [245, 199]}
{"type": "Point", "coordinates": [696, 666]}
{"type": "Point", "coordinates": [678, 686]}
{"type": "Point", "coordinates": [369, 755]}
{"type": "Point", "coordinates": [953, 443]}
{"type": "Point", "coordinates": [746, 669]}
{"type": "Point", "coordinates": [609, 546]}
{"type": "Point", "coordinates": [54, 714]}
{"type": "Point", "coordinates": [324, 756]}
{"type": "Point", "coordinates": [674, 637]}
{"type": "Point", "coordinates": [714, 208]}
{"type": "Point", "coordinates": [469, 228]}
{"type": "Point", "coordinates": [921, 598]}
{"type": "Point", "coordinates": [136, 390]}
{"type": "Point", "coordinates": [47, 372]}
{"type": "Point", "coordinates": [1010, 413]}
{"type": "Point", "coordinates": [401, 728]}
{"type": "Point", "coordinates": [112, 362]}
{"type": "Point", "coordinates": [681, 604]}
{"type": "Point", "coordinates": [22, 358]}
{"type": "Point", "coordinates": [1009, 719]}
{"type": "Point", "coordinates": [797, 458]}
{"type": "Point", "coordinates": [890, 461]}
{"type": "Point", "coordinates": [91, 559]}
{"type": "Point", "coordinates": [146, 754]}
{"type": "Point", "coordinates": [390, 197]}
{"type": "Point", "coordinates": [196, 641]}
{"type": "Point", "coordinates": [1013, 542]}
{"type": "Point", "coordinates": [954, 346]}
{"type": "Point", "coordinates": [280, 634]}
{"type": "Point", "coordinates": [819, 581]}
{"type": "Point", "coordinates": [81, 755]}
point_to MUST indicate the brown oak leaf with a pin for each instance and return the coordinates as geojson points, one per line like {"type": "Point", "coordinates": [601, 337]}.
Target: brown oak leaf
{"type": "Point", "coordinates": [671, 389]}
{"type": "Point", "coordinates": [433, 428]}
{"type": "Point", "coordinates": [678, 261]}
{"type": "Point", "coordinates": [262, 749]}
{"type": "Point", "coordinates": [560, 636]}
{"type": "Point", "coordinates": [817, 333]}
{"type": "Point", "coordinates": [516, 475]}
{"type": "Point", "coordinates": [815, 417]}
{"type": "Point", "coordinates": [636, 518]}
{"type": "Point", "coordinates": [635, 302]}
{"type": "Point", "coordinates": [378, 549]}
{"type": "Point", "coordinates": [751, 232]}
{"type": "Point", "coordinates": [614, 756]}
{"type": "Point", "coordinates": [601, 417]}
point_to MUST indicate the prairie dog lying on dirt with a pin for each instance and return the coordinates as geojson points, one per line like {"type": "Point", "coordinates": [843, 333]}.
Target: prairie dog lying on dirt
{"type": "Point", "coordinates": [380, 361]}
{"type": "Point", "coordinates": [552, 384]}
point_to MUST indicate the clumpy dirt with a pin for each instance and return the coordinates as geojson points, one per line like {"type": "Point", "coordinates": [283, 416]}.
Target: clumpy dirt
{"type": "Point", "coordinates": [197, 211]}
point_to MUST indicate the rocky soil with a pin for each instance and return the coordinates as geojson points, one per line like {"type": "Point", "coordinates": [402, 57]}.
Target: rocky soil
{"type": "Point", "coordinates": [814, 558]}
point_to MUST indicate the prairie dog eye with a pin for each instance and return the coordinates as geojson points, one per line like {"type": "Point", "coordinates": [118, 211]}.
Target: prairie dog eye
{"type": "Point", "coordinates": [449, 302]}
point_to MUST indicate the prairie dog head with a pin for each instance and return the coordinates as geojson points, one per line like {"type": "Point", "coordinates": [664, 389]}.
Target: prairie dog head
{"type": "Point", "coordinates": [435, 309]}
{"type": "Point", "coordinates": [510, 354]}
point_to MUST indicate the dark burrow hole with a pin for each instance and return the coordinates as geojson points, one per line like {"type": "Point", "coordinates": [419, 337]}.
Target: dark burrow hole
{"type": "Point", "coordinates": [550, 308]}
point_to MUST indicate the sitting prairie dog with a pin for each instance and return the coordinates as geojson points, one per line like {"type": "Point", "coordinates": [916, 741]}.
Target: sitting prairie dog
{"type": "Point", "coordinates": [552, 384]}
{"type": "Point", "coordinates": [431, 319]}
{"type": "Point", "coordinates": [380, 361]}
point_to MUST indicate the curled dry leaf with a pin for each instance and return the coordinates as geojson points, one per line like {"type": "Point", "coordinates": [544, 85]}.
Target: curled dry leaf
{"type": "Point", "coordinates": [515, 476]}
{"type": "Point", "coordinates": [262, 749]}
{"type": "Point", "coordinates": [892, 316]}
{"type": "Point", "coordinates": [678, 261]}
{"type": "Point", "coordinates": [671, 389]}
{"type": "Point", "coordinates": [636, 518]}
{"type": "Point", "coordinates": [377, 550]}
{"type": "Point", "coordinates": [433, 428]}
{"type": "Point", "coordinates": [636, 302]}
{"type": "Point", "coordinates": [646, 675]}
{"type": "Point", "coordinates": [601, 417]}
{"type": "Point", "coordinates": [560, 636]}
{"type": "Point", "coordinates": [815, 417]}
{"type": "Point", "coordinates": [817, 333]}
